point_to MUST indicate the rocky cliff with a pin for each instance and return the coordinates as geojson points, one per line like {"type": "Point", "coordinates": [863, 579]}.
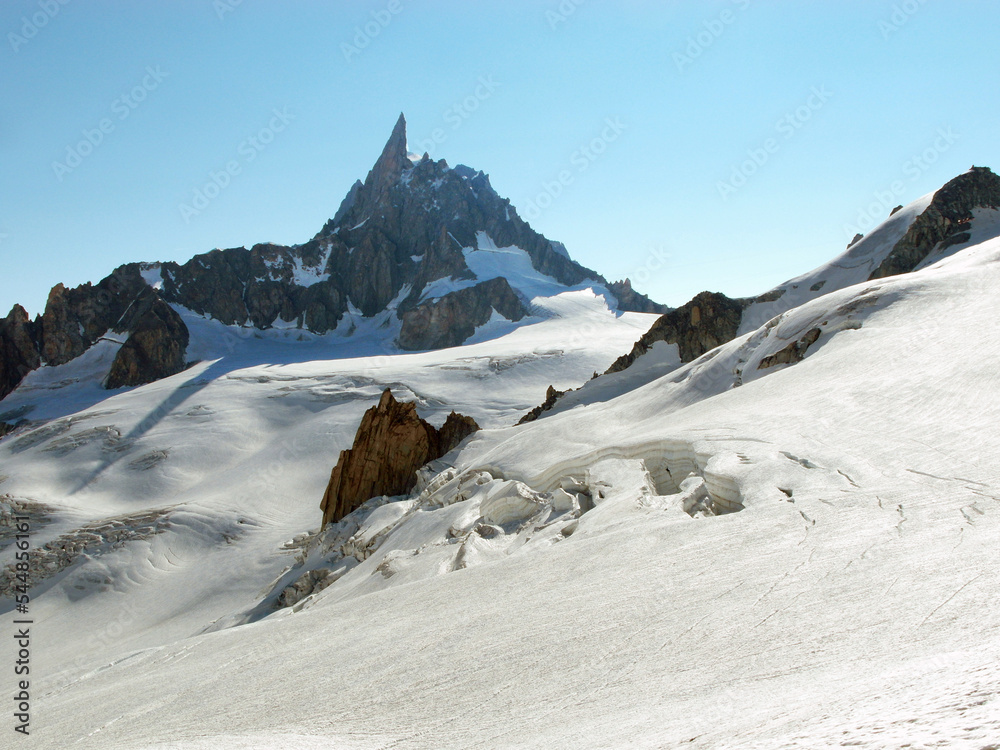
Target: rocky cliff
{"type": "Point", "coordinates": [408, 225]}
{"type": "Point", "coordinates": [75, 319]}
{"type": "Point", "coordinates": [708, 320]}
{"type": "Point", "coordinates": [392, 442]}
{"type": "Point", "coordinates": [944, 222]}
{"type": "Point", "coordinates": [453, 318]}
{"type": "Point", "coordinates": [629, 299]}
{"type": "Point", "coordinates": [18, 349]}
{"type": "Point", "coordinates": [155, 346]}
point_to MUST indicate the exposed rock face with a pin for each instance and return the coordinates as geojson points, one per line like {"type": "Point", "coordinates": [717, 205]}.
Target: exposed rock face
{"type": "Point", "coordinates": [792, 353]}
{"type": "Point", "coordinates": [452, 319]}
{"type": "Point", "coordinates": [410, 223]}
{"type": "Point", "coordinates": [707, 321]}
{"type": "Point", "coordinates": [456, 428]}
{"type": "Point", "coordinates": [403, 207]}
{"type": "Point", "coordinates": [258, 286]}
{"type": "Point", "coordinates": [155, 347]}
{"type": "Point", "coordinates": [631, 300]}
{"type": "Point", "coordinates": [392, 442]}
{"type": "Point", "coordinates": [75, 319]}
{"type": "Point", "coordinates": [551, 397]}
{"type": "Point", "coordinates": [946, 220]}
{"type": "Point", "coordinates": [18, 351]}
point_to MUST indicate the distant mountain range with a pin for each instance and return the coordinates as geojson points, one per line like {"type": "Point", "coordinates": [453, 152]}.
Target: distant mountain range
{"type": "Point", "coordinates": [433, 244]}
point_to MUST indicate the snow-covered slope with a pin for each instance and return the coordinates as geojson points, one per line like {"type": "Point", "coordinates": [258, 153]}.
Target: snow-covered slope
{"type": "Point", "coordinates": [962, 214]}
{"type": "Point", "coordinates": [854, 266]}
{"type": "Point", "coordinates": [234, 454]}
{"type": "Point", "coordinates": [849, 601]}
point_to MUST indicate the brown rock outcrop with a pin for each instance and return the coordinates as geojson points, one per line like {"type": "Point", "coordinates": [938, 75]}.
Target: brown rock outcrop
{"type": "Point", "coordinates": [392, 442]}
{"type": "Point", "coordinates": [155, 347]}
{"type": "Point", "coordinates": [551, 397]}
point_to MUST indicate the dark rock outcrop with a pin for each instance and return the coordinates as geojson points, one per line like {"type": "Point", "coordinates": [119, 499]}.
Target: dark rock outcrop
{"type": "Point", "coordinates": [551, 397]}
{"type": "Point", "coordinates": [946, 220]}
{"type": "Point", "coordinates": [792, 353]}
{"type": "Point", "coordinates": [633, 301]}
{"type": "Point", "coordinates": [75, 319]}
{"type": "Point", "coordinates": [707, 321]}
{"type": "Point", "coordinates": [18, 350]}
{"type": "Point", "coordinates": [155, 348]}
{"type": "Point", "coordinates": [456, 428]}
{"type": "Point", "coordinates": [392, 442]}
{"type": "Point", "coordinates": [453, 318]}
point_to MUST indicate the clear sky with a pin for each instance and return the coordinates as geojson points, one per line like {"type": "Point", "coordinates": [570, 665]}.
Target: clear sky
{"type": "Point", "coordinates": [723, 145]}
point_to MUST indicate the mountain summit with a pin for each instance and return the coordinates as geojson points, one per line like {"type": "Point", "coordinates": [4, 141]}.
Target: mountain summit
{"type": "Point", "coordinates": [433, 250]}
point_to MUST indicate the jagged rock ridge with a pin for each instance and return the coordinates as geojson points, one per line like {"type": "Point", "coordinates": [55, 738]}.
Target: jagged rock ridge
{"type": "Point", "coordinates": [403, 228]}
{"type": "Point", "coordinates": [944, 222]}
{"type": "Point", "coordinates": [76, 319]}
{"type": "Point", "coordinates": [392, 442]}
{"type": "Point", "coordinates": [629, 299]}
{"type": "Point", "coordinates": [156, 344]}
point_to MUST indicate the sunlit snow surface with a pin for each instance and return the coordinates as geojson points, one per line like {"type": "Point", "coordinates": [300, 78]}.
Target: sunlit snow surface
{"type": "Point", "coordinates": [852, 603]}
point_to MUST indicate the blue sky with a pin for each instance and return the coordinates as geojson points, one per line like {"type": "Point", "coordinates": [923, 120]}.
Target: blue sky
{"type": "Point", "coordinates": [688, 145]}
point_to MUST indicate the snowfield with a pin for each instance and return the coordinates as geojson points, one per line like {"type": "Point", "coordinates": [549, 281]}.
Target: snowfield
{"type": "Point", "coordinates": [712, 555]}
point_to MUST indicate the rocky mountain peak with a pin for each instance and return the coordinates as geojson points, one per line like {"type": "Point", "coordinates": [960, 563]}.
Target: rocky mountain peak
{"type": "Point", "coordinates": [393, 161]}
{"type": "Point", "coordinates": [397, 247]}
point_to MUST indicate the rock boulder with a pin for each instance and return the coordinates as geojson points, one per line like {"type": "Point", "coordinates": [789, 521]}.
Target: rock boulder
{"type": "Point", "coordinates": [392, 442]}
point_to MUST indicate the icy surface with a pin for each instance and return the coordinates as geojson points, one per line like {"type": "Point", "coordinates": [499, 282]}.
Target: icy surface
{"type": "Point", "coordinates": [721, 555]}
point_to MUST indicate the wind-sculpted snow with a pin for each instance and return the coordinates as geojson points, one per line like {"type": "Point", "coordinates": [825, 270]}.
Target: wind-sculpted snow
{"type": "Point", "coordinates": [91, 540]}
